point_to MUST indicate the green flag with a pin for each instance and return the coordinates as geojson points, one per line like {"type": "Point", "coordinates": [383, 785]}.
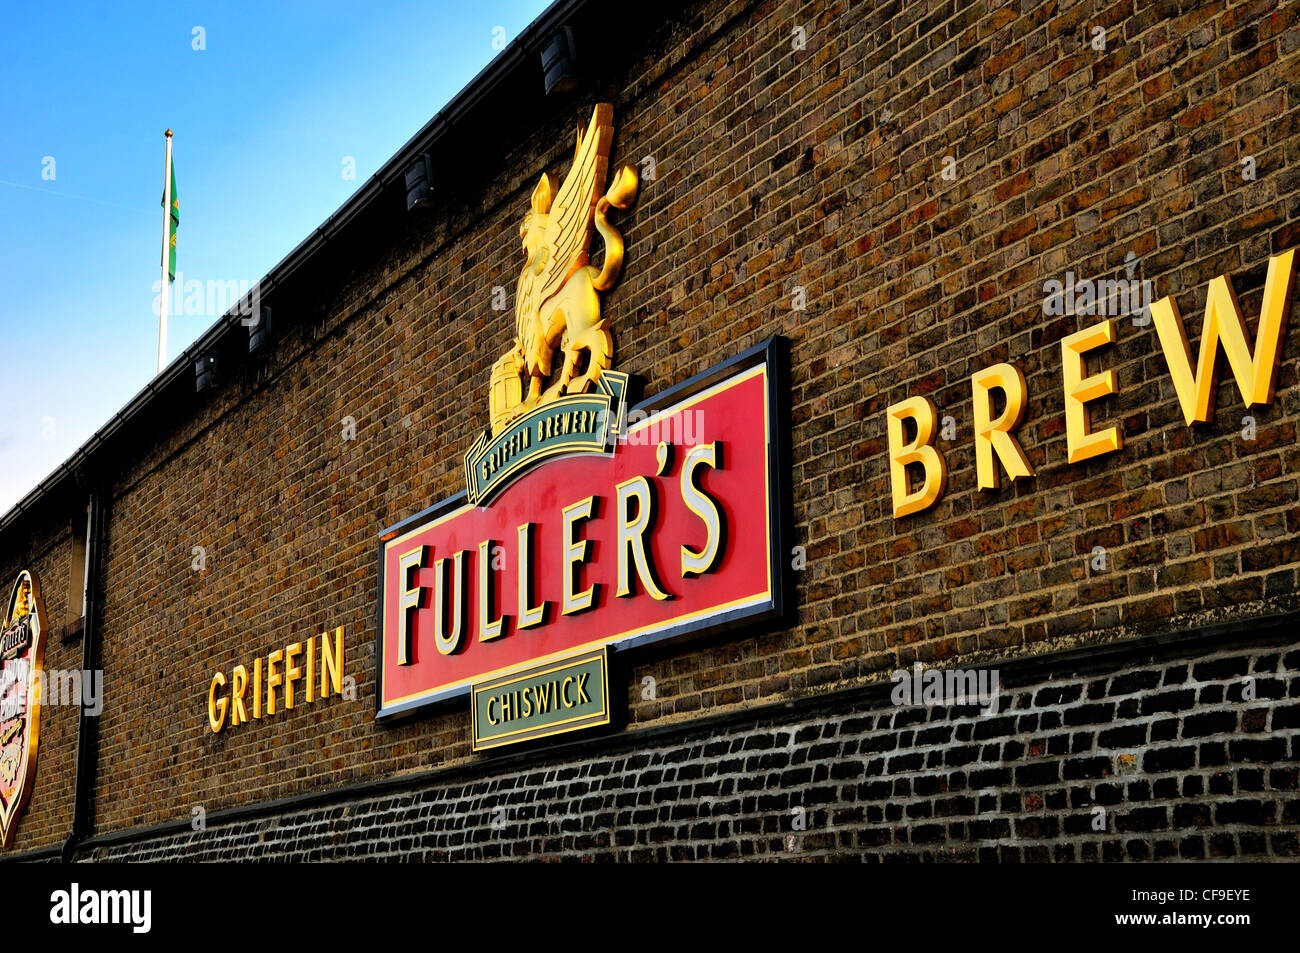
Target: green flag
{"type": "Point", "coordinates": [174, 221]}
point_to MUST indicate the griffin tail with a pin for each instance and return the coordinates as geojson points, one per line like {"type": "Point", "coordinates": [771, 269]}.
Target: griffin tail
{"type": "Point", "coordinates": [621, 194]}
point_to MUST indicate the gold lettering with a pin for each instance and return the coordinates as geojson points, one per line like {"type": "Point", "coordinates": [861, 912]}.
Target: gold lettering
{"type": "Point", "coordinates": [632, 538]}
{"type": "Point", "coordinates": [448, 642]}
{"type": "Point", "coordinates": [282, 672]}
{"type": "Point", "coordinates": [311, 669]}
{"type": "Point", "coordinates": [239, 682]}
{"type": "Point", "coordinates": [216, 711]}
{"type": "Point", "coordinates": [1255, 373]}
{"type": "Point", "coordinates": [488, 628]}
{"type": "Point", "coordinates": [1081, 443]}
{"type": "Point", "coordinates": [574, 553]}
{"type": "Point", "coordinates": [291, 671]}
{"type": "Point", "coordinates": [273, 679]}
{"type": "Point", "coordinates": [920, 451]}
{"type": "Point", "coordinates": [257, 688]}
{"type": "Point", "coordinates": [413, 598]}
{"type": "Point", "coordinates": [529, 615]}
{"type": "Point", "coordinates": [331, 664]}
{"type": "Point", "coordinates": [994, 437]}
{"type": "Point", "coordinates": [697, 563]}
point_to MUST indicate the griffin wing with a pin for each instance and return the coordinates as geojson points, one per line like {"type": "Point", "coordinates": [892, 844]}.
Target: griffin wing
{"type": "Point", "coordinates": [569, 225]}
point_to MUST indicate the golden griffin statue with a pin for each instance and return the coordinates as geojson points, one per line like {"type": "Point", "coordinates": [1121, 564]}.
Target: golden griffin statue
{"type": "Point", "coordinates": [557, 305]}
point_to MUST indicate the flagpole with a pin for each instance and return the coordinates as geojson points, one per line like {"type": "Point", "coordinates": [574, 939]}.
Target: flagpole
{"type": "Point", "coordinates": [166, 257]}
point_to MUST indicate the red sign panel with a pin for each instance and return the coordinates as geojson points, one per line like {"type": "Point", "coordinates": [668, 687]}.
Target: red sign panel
{"type": "Point", "coordinates": [678, 530]}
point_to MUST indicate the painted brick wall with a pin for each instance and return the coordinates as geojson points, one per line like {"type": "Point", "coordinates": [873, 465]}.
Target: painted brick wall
{"type": "Point", "coordinates": [1180, 764]}
{"type": "Point", "coordinates": [776, 169]}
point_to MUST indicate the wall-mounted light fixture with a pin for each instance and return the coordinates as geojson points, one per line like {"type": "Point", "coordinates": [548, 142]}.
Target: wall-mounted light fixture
{"type": "Point", "coordinates": [259, 332]}
{"type": "Point", "coordinates": [560, 63]}
{"type": "Point", "coordinates": [419, 182]}
{"type": "Point", "coordinates": [205, 373]}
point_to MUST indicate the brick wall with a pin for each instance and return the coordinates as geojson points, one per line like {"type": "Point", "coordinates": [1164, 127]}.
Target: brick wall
{"type": "Point", "coordinates": [1180, 764]}
{"type": "Point", "coordinates": [776, 168]}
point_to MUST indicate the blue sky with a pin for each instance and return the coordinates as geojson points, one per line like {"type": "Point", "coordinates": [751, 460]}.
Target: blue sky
{"type": "Point", "coordinates": [263, 117]}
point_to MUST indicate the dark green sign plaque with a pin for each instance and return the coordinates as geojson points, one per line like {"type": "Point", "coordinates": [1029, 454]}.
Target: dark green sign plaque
{"type": "Point", "coordinates": [580, 423]}
{"type": "Point", "coordinates": [551, 698]}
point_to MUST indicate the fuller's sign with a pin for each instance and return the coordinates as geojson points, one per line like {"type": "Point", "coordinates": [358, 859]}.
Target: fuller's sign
{"type": "Point", "coordinates": [676, 529]}
{"type": "Point", "coordinates": [584, 527]}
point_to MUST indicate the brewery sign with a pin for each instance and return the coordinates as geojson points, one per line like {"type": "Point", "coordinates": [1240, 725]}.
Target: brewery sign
{"type": "Point", "coordinates": [587, 527]}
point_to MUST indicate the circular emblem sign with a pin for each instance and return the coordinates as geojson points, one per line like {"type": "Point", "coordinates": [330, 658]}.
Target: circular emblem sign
{"type": "Point", "coordinates": [22, 651]}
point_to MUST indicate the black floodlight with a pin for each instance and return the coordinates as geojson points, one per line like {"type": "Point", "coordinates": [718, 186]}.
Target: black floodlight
{"type": "Point", "coordinates": [419, 182]}
{"type": "Point", "coordinates": [560, 63]}
{"type": "Point", "coordinates": [205, 373]}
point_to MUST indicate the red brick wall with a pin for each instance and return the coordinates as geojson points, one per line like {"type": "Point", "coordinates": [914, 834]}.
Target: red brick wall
{"type": "Point", "coordinates": [775, 168]}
